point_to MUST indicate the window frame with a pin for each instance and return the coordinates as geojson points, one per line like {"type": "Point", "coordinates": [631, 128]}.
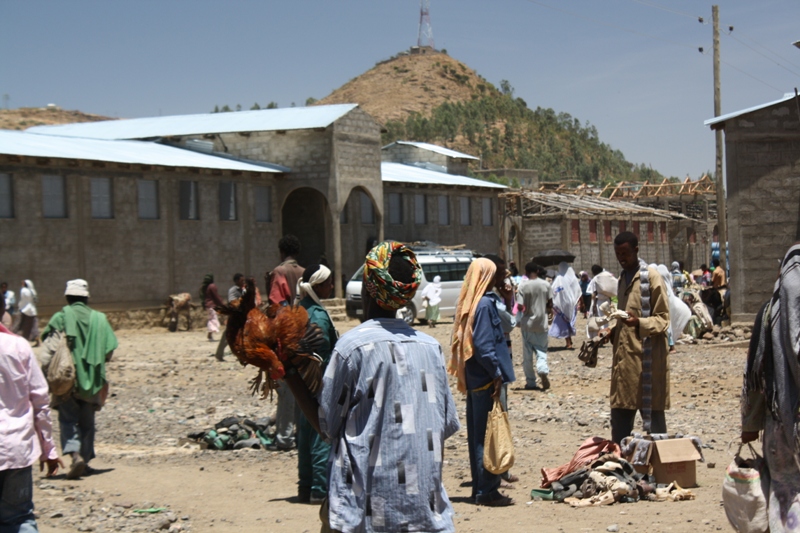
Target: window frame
{"type": "Point", "coordinates": [262, 205]}
{"type": "Point", "coordinates": [487, 214]}
{"type": "Point", "coordinates": [227, 201]}
{"type": "Point", "coordinates": [194, 194]}
{"type": "Point", "coordinates": [94, 199]}
{"type": "Point", "coordinates": [464, 201]}
{"type": "Point", "coordinates": [7, 195]}
{"type": "Point", "coordinates": [443, 215]}
{"type": "Point", "coordinates": [420, 211]}
{"type": "Point", "coordinates": [50, 178]}
{"type": "Point", "coordinates": [156, 199]}
{"type": "Point", "coordinates": [395, 207]}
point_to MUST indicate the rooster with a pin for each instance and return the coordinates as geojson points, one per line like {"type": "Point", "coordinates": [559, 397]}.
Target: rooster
{"type": "Point", "coordinates": [269, 339]}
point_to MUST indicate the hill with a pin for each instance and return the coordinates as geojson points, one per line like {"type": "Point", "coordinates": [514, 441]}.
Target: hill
{"type": "Point", "coordinates": [434, 98]}
{"type": "Point", "coordinates": [26, 117]}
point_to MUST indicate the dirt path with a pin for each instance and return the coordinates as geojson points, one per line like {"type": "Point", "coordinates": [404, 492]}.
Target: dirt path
{"type": "Point", "coordinates": [165, 385]}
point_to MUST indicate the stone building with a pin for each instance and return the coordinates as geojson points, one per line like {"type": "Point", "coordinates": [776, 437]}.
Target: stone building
{"type": "Point", "coordinates": [428, 155]}
{"type": "Point", "coordinates": [187, 195]}
{"type": "Point", "coordinates": [762, 160]}
{"type": "Point", "coordinates": [586, 226]}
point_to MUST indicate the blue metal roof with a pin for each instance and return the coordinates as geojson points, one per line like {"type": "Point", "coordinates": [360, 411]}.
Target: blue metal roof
{"type": "Point", "coordinates": [728, 116]}
{"type": "Point", "coordinates": [289, 118]}
{"type": "Point", "coordinates": [400, 173]}
{"type": "Point", "coordinates": [435, 148]}
{"type": "Point", "coordinates": [131, 152]}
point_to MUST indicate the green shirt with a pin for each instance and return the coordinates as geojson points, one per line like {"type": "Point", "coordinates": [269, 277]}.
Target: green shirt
{"type": "Point", "coordinates": [319, 316]}
{"type": "Point", "coordinates": [91, 339]}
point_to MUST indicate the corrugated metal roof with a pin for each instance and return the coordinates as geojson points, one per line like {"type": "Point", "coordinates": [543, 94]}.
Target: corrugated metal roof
{"type": "Point", "coordinates": [400, 173]}
{"type": "Point", "coordinates": [434, 148]}
{"type": "Point", "coordinates": [132, 152]}
{"type": "Point", "coordinates": [723, 118]}
{"type": "Point", "coordinates": [551, 203]}
{"type": "Point", "coordinates": [289, 118]}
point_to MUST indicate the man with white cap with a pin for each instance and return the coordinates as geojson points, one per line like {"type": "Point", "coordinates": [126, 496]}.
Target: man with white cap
{"type": "Point", "coordinates": [92, 342]}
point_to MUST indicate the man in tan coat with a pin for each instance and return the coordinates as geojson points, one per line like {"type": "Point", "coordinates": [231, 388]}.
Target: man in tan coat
{"type": "Point", "coordinates": [640, 368]}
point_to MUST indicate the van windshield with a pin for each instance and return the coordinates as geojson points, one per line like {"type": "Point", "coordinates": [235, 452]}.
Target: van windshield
{"type": "Point", "coordinates": [359, 275]}
{"type": "Point", "coordinates": [447, 271]}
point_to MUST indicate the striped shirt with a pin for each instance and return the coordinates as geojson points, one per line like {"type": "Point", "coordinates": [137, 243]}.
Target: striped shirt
{"type": "Point", "coordinates": [386, 408]}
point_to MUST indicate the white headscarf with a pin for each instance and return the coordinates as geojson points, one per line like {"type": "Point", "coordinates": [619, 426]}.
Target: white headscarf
{"type": "Point", "coordinates": [307, 288]}
{"type": "Point", "coordinates": [679, 312]}
{"type": "Point", "coordinates": [433, 291]}
{"type": "Point", "coordinates": [29, 285]}
{"type": "Point", "coordinates": [566, 290]}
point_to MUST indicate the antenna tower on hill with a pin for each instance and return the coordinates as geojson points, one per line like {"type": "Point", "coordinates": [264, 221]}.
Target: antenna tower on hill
{"type": "Point", "coordinates": [425, 36]}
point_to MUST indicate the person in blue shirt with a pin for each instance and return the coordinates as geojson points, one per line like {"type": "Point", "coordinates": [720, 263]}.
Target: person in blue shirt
{"type": "Point", "coordinates": [482, 363]}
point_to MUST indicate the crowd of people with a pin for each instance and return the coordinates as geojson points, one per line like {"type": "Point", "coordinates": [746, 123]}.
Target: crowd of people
{"type": "Point", "coordinates": [369, 444]}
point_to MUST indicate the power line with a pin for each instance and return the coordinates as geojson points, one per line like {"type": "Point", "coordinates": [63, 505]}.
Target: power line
{"type": "Point", "coordinates": [730, 34]}
{"type": "Point", "coordinates": [774, 53]}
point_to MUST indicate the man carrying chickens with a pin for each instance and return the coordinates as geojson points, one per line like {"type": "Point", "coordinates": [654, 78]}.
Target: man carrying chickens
{"type": "Point", "coordinates": [386, 408]}
{"type": "Point", "coordinates": [282, 290]}
{"type": "Point", "coordinates": [312, 451]}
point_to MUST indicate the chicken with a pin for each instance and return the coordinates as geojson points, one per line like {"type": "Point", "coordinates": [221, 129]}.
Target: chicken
{"type": "Point", "coordinates": [270, 338]}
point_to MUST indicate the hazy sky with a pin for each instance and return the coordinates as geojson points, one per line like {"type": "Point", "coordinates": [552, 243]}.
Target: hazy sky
{"type": "Point", "coordinates": [629, 67]}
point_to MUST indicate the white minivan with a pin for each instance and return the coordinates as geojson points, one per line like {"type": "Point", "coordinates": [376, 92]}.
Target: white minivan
{"type": "Point", "coordinates": [450, 265]}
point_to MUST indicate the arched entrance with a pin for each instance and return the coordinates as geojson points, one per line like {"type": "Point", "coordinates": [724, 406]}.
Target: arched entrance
{"type": "Point", "coordinates": [305, 215]}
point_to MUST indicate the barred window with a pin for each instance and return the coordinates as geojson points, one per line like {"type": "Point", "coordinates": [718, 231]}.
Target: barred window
{"type": "Point", "coordinates": [263, 201]}
{"type": "Point", "coordinates": [148, 199]}
{"type": "Point", "coordinates": [227, 200]}
{"type": "Point", "coordinates": [189, 201]}
{"type": "Point", "coordinates": [54, 198]}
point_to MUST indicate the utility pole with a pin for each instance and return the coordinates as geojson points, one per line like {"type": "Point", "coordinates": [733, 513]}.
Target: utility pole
{"type": "Point", "coordinates": [722, 220]}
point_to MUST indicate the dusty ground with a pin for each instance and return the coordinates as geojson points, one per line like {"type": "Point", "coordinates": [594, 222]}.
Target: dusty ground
{"type": "Point", "coordinates": [167, 384]}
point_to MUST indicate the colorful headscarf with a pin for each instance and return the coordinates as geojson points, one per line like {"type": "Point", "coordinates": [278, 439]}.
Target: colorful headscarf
{"type": "Point", "coordinates": [390, 294]}
{"type": "Point", "coordinates": [479, 279]}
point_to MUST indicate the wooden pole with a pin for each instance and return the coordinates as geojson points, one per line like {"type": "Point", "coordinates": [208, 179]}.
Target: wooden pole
{"type": "Point", "coordinates": [722, 223]}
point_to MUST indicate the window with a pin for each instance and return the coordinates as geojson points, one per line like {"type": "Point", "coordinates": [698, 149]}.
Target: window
{"type": "Point", "coordinates": [607, 230]}
{"type": "Point", "coordinates": [54, 200]}
{"type": "Point", "coordinates": [420, 209]}
{"type": "Point", "coordinates": [487, 212]}
{"type": "Point", "coordinates": [227, 200]}
{"type": "Point", "coordinates": [263, 203]}
{"type": "Point", "coordinates": [651, 229]}
{"type": "Point", "coordinates": [444, 210]}
{"type": "Point", "coordinates": [395, 208]}
{"type": "Point", "coordinates": [6, 196]}
{"type": "Point", "coordinates": [466, 215]}
{"type": "Point", "coordinates": [576, 231]}
{"type": "Point", "coordinates": [148, 199]}
{"type": "Point", "coordinates": [367, 209]}
{"type": "Point", "coordinates": [622, 226]}
{"type": "Point", "coordinates": [592, 231]}
{"type": "Point", "coordinates": [636, 229]}
{"type": "Point", "coordinates": [102, 199]}
{"type": "Point", "coordinates": [188, 201]}
{"type": "Point", "coordinates": [447, 271]}
{"type": "Point", "coordinates": [662, 228]}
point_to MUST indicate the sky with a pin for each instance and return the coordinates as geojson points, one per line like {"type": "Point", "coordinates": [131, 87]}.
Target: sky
{"type": "Point", "coordinates": [631, 68]}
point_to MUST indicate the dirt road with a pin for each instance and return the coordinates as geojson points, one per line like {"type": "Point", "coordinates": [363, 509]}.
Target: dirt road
{"type": "Point", "coordinates": [165, 385]}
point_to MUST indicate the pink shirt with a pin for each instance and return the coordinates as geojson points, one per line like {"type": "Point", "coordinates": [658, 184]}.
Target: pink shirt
{"type": "Point", "coordinates": [25, 430]}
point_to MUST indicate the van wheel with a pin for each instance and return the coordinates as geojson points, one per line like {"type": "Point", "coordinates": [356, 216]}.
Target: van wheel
{"type": "Point", "coordinates": [407, 313]}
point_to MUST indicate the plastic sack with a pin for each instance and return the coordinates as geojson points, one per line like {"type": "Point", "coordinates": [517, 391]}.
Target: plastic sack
{"type": "Point", "coordinates": [742, 493]}
{"type": "Point", "coordinates": [498, 448]}
{"type": "Point", "coordinates": [61, 367]}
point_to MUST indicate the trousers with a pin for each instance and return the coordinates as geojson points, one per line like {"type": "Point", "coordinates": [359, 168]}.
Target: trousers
{"type": "Point", "coordinates": [479, 405]}
{"type": "Point", "coordinates": [312, 460]}
{"type": "Point", "coordinates": [76, 421]}
{"type": "Point", "coordinates": [286, 418]}
{"type": "Point", "coordinates": [16, 501]}
{"type": "Point", "coordinates": [534, 344]}
{"type": "Point", "coordinates": [622, 423]}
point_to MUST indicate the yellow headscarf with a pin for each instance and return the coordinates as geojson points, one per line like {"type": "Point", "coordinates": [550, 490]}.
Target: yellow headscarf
{"type": "Point", "coordinates": [478, 280]}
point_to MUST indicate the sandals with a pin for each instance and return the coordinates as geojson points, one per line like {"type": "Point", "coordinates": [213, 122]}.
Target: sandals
{"type": "Point", "coordinates": [512, 478]}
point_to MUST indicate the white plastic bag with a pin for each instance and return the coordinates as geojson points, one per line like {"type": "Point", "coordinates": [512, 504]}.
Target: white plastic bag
{"type": "Point", "coordinates": [743, 495]}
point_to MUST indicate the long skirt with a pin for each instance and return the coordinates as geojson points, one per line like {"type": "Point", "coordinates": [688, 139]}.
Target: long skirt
{"type": "Point", "coordinates": [432, 313]}
{"type": "Point", "coordinates": [563, 326]}
{"type": "Point", "coordinates": [213, 321]}
{"type": "Point", "coordinates": [28, 327]}
{"type": "Point", "coordinates": [784, 489]}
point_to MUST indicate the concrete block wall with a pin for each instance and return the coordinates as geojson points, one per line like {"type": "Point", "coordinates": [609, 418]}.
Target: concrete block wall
{"type": "Point", "coordinates": [127, 261]}
{"type": "Point", "coordinates": [763, 184]}
{"type": "Point", "coordinates": [476, 236]}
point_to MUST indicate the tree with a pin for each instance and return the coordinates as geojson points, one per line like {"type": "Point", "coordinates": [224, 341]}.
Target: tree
{"type": "Point", "coordinates": [238, 107]}
{"type": "Point", "coordinates": [506, 88]}
{"type": "Point", "coordinates": [226, 109]}
{"type": "Point", "coordinates": [272, 105]}
{"type": "Point", "coordinates": [311, 100]}
{"type": "Point", "coordinates": [255, 107]}
{"type": "Point", "coordinates": [216, 109]}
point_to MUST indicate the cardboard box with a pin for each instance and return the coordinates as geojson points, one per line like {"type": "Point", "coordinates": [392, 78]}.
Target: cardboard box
{"type": "Point", "coordinates": [672, 460]}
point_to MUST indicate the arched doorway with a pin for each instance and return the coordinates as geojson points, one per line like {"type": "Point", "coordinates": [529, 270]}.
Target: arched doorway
{"type": "Point", "coordinates": [305, 215]}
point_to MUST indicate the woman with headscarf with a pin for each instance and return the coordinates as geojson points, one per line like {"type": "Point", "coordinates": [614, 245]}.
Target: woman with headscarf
{"type": "Point", "coordinates": [28, 326]}
{"type": "Point", "coordinates": [312, 451]}
{"type": "Point", "coordinates": [209, 295]}
{"type": "Point", "coordinates": [771, 394]}
{"type": "Point", "coordinates": [566, 293]}
{"type": "Point", "coordinates": [482, 363]}
{"type": "Point", "coordinates": [432, 296]}
{"type": "Point", "coordinates": [679, 312]}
